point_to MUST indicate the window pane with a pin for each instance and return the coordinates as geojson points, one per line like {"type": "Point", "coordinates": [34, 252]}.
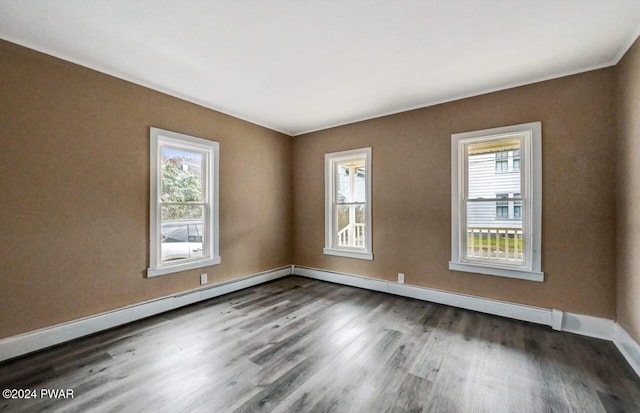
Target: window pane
{"type": "Point", "coordinates": [502, 207]}
{"type": "Point", "coordinates": [502, 161]}
{"type": "Point", "coordinates": [502, 211]}
{"type": "Point", "coordinates": [351, 181]}
{"type": "Point", "coordinates": [350, 225]}
{"type": "Point", "coordinates": [517, 207]}
{"type": "Point", "coordinates": [181, 175]}
{"type": "Point", "coordinates": [489, 237]}
{"type": "Point", "coordinates": [484, 161]}
{"type": "Point", "coordinates": [516, 159]}
{"type": "Point", "coordinates": [181, 228]}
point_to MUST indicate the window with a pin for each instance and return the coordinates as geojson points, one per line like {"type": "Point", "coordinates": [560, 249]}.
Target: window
{"type": "Point", "coordinates": [511, 209]}
{"type": "Point", "coordinates": [517, 207]}
{"type": "Point", "coordinates": [184, 203]}
{"type": "Point", "coordinates": [516, 160]}
{"type": "Point", "coordinates": [502, 161]}
{"type": "Point", "coordinates": [502, 207]}
{"type": "Point", "coordinates": [506, 242]}
{"type": "Point", "coordinates": [348, 204]}
{"type": "Point", "coordinates": [507, 161]}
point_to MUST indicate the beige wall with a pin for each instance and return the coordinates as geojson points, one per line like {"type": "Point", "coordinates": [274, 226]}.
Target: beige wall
{"type": "Point", "coordinates": [412, 196]}
{"type": "Point", "coordinates": [74, 191]}
{"type": "Point", "coordinates": [628, 190]}
{"type": "Point", "coordinates": [74, 184]}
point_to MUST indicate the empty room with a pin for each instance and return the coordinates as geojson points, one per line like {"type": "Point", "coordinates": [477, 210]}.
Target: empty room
{"type": "Point", "coordinates": [315, 206]}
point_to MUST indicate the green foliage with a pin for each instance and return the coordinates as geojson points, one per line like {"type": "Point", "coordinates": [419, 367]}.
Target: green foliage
{"type": "Point", "coordinates": [180, 185]}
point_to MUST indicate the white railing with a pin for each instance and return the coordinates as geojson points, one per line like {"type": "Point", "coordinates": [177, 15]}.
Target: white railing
{"type": "Point", "coordinates": [504, 244]}
{"type": "Point", "coordinates": [351, 236]}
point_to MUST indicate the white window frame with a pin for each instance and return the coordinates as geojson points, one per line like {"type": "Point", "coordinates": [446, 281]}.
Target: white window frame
{"type": "Point", "coordinates": [531, 193]}
{"type": "Point", "coordinates": [330, 161]}
{"type": "Point", "coordinates": [210, 149]}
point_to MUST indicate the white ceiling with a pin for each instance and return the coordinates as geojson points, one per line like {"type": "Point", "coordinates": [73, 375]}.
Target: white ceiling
{"type": "Point", "coordinates": [303, 65]}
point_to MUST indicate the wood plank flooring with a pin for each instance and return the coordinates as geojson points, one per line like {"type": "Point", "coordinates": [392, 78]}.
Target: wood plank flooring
{"type": "Point", "coordinates": [300, 345]}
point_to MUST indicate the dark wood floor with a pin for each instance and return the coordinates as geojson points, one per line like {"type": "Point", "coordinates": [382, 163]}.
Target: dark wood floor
{"type": "Point", "coordinates": [303, 345]}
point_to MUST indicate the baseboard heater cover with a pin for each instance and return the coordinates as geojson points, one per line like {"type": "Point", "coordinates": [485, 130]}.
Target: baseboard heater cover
{"type": "Point", "coordinates": [29, 342]}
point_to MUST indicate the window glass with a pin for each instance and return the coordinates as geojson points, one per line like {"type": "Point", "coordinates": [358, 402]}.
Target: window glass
{"type": "Point", "coordinates": [517, 207]}
{"type": "Point", "coordinates": [502, 161]}
{"type": "Point", "coordinates": [493, 237]}
{"type": "Point", "coordinates": [502, 207]}
{"type": "Point", "coordinates": [516, 159]}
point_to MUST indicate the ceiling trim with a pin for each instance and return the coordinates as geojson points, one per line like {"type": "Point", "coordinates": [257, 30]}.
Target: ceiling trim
{"type": "Point", "coordinates": [464, 96]}
{"type": "Point", "coordinates": [141, 82]}
{"type": "Point", "coordinates": [137, 81]}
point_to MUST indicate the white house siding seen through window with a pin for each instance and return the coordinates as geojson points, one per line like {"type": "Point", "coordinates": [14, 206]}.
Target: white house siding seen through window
{"type": "Point", "coordinates": [348, 216]}
{"type": "Point", "coordinates": [493, 233]}
{"type": "Point", "coordinates": [496, 209]}
{"type": "Point", "coordinates": [350, 204]}
{"type": "Point", "coordinates": [183, 202]}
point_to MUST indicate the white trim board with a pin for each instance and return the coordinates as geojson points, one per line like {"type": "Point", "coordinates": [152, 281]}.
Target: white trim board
{"type": "Point", "coordinates": [22, 344]}
{"type": "Point", "coordinates": [574, 323]}
{"type": "Point", "coordinates": [628, 347]}
{"type": "Point", "coordinates": [585, 325]}
{"type": "Point", "coordinates": [484, 305]}
{"type": "Point", "coordinates": [15, 346]}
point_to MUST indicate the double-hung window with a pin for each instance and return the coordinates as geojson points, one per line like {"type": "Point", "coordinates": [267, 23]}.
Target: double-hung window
{"type": "Point", "coordinates": [496, 201]}
{"type": "Point", "coordinates": [183, 203]}
{"type": "Point", "coordinates": [348, 204]}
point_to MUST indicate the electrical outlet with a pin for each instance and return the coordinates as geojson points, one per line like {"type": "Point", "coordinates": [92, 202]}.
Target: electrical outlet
{"type": "Point", "coordinates": [401, 277]}
{"type": "Point", "coordinates": [203, 279]}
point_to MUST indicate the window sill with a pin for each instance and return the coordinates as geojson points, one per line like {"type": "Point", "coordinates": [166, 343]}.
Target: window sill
{"type": "Point", "coordinates": [170, 269]}
{"type": "Point", "coordinates": [500, 272]}
{"type": "Point", "coordinates": [349, 254]}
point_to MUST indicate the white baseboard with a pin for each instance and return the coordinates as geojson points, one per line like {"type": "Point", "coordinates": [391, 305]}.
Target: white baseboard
{"type": "Point", "coordinates": [602, 328]}
{"type": "Point", "coordinates": [502, 308]}
{"type": "Point", "coordinates": [587, 325]}
{"type": "Point", "coordinates": [628, 347]}
{"type": "Point", "coordinates": [575, 323]}
{"type": "Point", "coordinates": [556, 319]}
{"type": "Point", "coordinates": [22, 344]}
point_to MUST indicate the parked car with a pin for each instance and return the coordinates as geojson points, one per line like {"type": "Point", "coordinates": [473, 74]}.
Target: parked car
{"type": "Point", "coordinates": [181, 240]}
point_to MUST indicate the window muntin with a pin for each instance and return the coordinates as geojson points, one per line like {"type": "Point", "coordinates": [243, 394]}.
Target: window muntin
{"type": "Point", "coordinates": [184, 202]}
{"type": "Point", "coordinates": [348, 204]}
{"type": "Point", "coordinates": [496, 214]}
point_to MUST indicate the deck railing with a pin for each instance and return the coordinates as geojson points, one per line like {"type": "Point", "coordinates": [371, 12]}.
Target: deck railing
{"type": "Point", "coordinates": [504, 244]}
{"type": "Point", "coordinates": [351, 236]}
